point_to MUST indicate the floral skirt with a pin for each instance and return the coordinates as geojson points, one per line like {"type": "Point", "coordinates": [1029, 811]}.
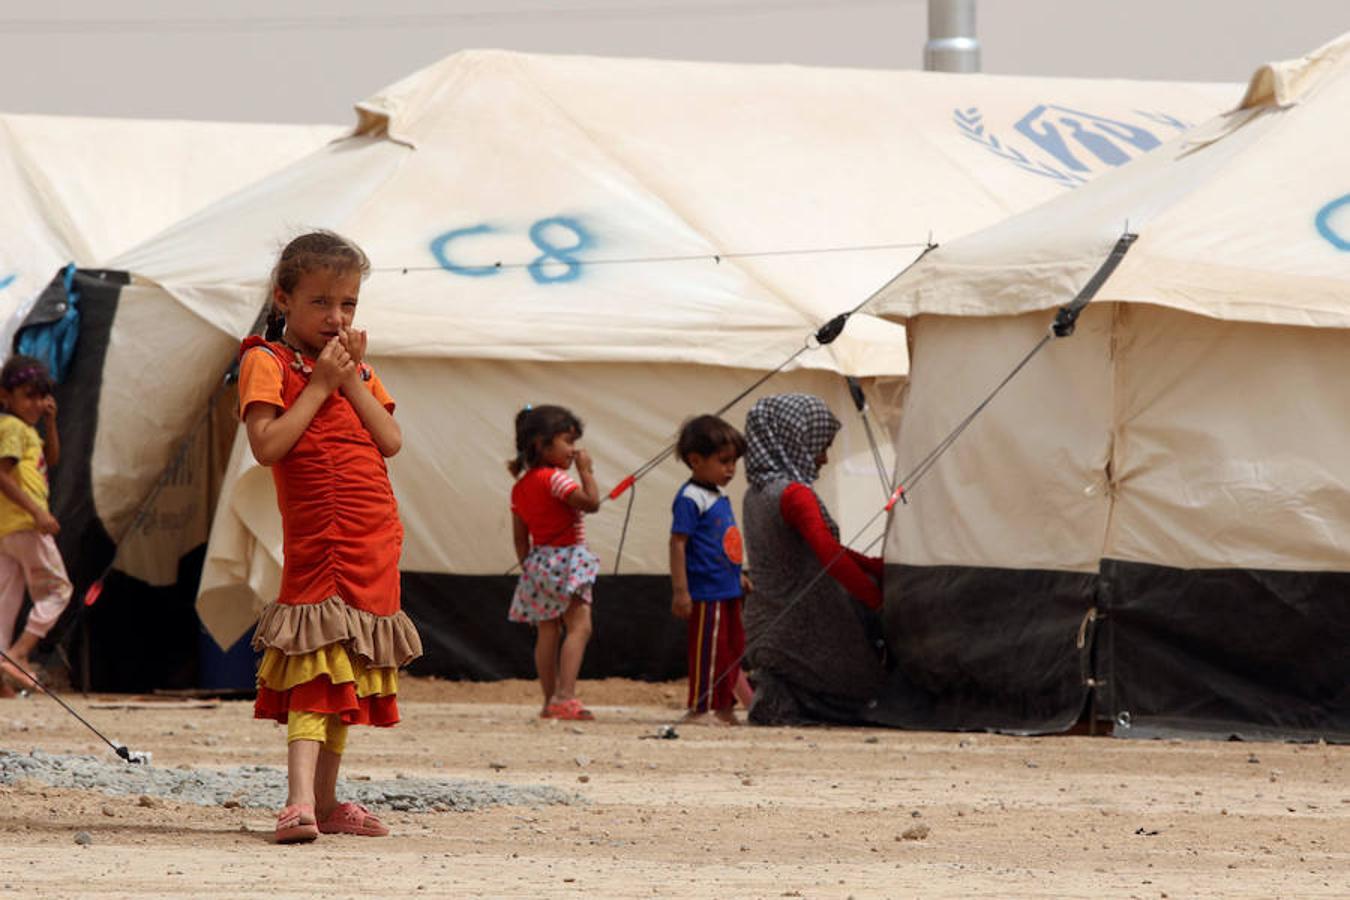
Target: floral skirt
{"type": "Point", "coordinates": [550, 578]}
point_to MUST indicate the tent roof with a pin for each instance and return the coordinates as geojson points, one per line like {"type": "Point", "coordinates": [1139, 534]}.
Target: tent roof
{"type": "Point", "coordinates": [707, 213]}
{"type": "Point", "coordinates": [1246, 217]}
{"type": "Point", "coordinates": [84, 189]}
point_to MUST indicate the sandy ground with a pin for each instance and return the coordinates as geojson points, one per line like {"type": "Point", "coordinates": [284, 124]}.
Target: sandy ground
{"type": "Point", "coordinates": [718, 812]}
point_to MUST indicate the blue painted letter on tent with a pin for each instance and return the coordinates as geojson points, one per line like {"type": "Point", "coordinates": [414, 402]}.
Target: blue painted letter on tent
{"type": "Point", "coordinates": [439, 247]}
{"type": "Point", "coordinates": [1338, 239]}
{"type": "Point", "coordinates": [539, 235]}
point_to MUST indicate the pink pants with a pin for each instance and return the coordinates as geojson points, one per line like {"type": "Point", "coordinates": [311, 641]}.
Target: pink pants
{"type": "Point", "coordinates": [30, 558]}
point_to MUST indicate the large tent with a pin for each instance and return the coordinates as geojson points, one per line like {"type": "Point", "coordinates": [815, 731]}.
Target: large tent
{"type": "Point", "coordinates": [1152, 518]}
{"type": "Point", "coordinates": [82, 190]}
{"type": "Point", "coordinates": [638, 240]}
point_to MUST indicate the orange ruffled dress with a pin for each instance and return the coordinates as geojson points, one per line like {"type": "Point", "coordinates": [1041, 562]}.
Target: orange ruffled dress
{"type": "Point", "coordinates": [335, 638]}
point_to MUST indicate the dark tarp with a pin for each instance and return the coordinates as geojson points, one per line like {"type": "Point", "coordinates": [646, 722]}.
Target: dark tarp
{"type": "Point", "coordinates": [1217, 653]}
{"type": "Point", "coordinates": [85, 546]}
{"type": "Point", "coordinates": [986, 648]}
{"type": "Point", "coordinates": [465, 634]}
{"type": "Point", "coordinates": [143, 637]}
{"type": "Point", "coordinates": [1239, 652]}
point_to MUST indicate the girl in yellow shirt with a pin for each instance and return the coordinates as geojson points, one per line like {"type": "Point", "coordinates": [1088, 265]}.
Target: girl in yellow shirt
{"type": "Point", "coordinates": [28, 554]}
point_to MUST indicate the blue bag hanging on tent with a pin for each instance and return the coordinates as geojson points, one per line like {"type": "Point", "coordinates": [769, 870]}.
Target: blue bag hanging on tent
{"type": "Point", "coordinates": [53, 327]}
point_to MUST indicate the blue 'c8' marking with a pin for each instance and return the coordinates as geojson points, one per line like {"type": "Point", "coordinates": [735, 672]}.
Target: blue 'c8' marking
{"type": "Point", "coordinates": [1324, 227]}
{"type": "Point", "coordinates": [7, 281]}
{"type": "Point", "coordinates": [438, 250]}
{"type": "Point", "coordinates": [560, 254]}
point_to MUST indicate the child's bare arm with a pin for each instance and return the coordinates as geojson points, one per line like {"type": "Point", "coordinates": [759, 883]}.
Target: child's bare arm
{"type": "Point", "coordinates": [387, 434]}
{"type": "Point", "coordinates": [520, 532]}
{"type": "Point", "coordinates": [681, 604]}
{"type": "Point", "coordinates": [272, 431]}
{"type": "Point", "coordinates": [14, 492]}
{"type": "Point", "coordinates": [51, 440]}
{"type": "Point", "coordinates": [385, 431]}
{"type": "Point", "coordinates": [587, 497]}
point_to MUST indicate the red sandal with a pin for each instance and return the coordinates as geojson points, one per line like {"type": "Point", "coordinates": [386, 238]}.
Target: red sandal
{"type": "Point", "coordinates": [353, 818]}
{"type": "Point", "coordinates": [568, 709]}
{"type": "Point", "coordinates": [296, 825]}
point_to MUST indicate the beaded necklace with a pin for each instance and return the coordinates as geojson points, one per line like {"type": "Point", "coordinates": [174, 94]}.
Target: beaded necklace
{"type": "Point", "coordinates": [298, 361]}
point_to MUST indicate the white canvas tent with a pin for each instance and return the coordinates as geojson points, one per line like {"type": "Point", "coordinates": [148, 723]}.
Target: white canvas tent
{"type": "Point", "coordinates": [635, 239]}
{"type": "Point", "coordinates": [1172, 478]}
{"type": "Point", "coordinates": [82, 190]}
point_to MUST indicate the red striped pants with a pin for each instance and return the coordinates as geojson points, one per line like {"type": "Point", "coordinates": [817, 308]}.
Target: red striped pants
{"type": "Point", "coordinates": [716, 642]}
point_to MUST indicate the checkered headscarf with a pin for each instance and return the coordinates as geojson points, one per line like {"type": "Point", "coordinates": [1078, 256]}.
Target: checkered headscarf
{"type": "Point", "coordinates": [785, 432]}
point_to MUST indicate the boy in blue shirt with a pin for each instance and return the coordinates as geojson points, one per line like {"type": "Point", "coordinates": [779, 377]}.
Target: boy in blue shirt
{"type": "Point", "coordinates": [708, 586]}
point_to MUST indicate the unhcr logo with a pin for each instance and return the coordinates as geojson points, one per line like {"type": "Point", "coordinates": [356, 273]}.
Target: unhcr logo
{"type": "Point", "coordinates": [1066, 145]}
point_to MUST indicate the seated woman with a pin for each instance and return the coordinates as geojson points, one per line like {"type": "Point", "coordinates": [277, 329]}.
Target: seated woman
{"type": "Point", "coordinates": [811, 655]}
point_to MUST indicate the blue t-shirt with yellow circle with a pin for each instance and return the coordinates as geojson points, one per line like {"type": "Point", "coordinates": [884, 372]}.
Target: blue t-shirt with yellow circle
{"type": "Point", "coordinates": [715, 552]}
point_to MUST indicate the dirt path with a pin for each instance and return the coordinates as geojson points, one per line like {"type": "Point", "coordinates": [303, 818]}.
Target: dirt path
{"type": "Point", "coordinates": [743, 812]}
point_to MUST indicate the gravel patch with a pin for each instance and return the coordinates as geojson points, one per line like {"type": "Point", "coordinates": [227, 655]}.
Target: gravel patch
{"type": "Point", "coordinates": [263, 787]}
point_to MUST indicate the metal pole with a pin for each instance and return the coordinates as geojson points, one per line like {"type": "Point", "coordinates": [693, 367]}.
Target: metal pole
{"type": "Point", "coordinates": [952, 45]}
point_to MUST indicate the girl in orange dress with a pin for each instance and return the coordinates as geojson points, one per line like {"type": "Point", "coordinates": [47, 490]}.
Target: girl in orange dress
{"type": "Point", "coordinates": [335, 637]}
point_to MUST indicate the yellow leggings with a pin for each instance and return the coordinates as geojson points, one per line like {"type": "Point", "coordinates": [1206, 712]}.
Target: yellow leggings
{"type": "Point", "coordinates": [326, 728]}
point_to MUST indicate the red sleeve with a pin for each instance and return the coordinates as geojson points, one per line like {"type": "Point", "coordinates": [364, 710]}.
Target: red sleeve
{"type": "Point", "coordinates": [801, 510]}
{"type": "Point", "coordinates": [872, 565]}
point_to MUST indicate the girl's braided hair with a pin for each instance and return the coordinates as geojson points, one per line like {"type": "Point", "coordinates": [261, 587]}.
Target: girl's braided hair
{"type": "Point", "coordinates": [307, 253]}
{"type": "Point", "coordinates": [536, 426]}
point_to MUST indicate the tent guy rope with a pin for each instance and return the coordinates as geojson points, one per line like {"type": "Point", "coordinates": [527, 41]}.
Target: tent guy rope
{"type": "Point", "coordinates": [130, 756]}
{"type": "Point", "coordinates": [1063, 325]}
{"type": "Point", "coordinates": [715, 258]}
{"type": "Point", "coordinates": [825, 334]}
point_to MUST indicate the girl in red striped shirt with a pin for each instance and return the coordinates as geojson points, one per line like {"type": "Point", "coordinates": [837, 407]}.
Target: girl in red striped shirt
{"type": "Point", "coordinates": [557, 570]}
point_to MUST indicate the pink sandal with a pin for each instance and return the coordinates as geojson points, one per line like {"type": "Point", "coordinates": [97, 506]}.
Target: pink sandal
{"type": "Point", "coordinates": [296, 825]}
{"type": "Point", "coordinates": [568, 709]}
{"type": "Point", "coordinates": [353, 818]}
